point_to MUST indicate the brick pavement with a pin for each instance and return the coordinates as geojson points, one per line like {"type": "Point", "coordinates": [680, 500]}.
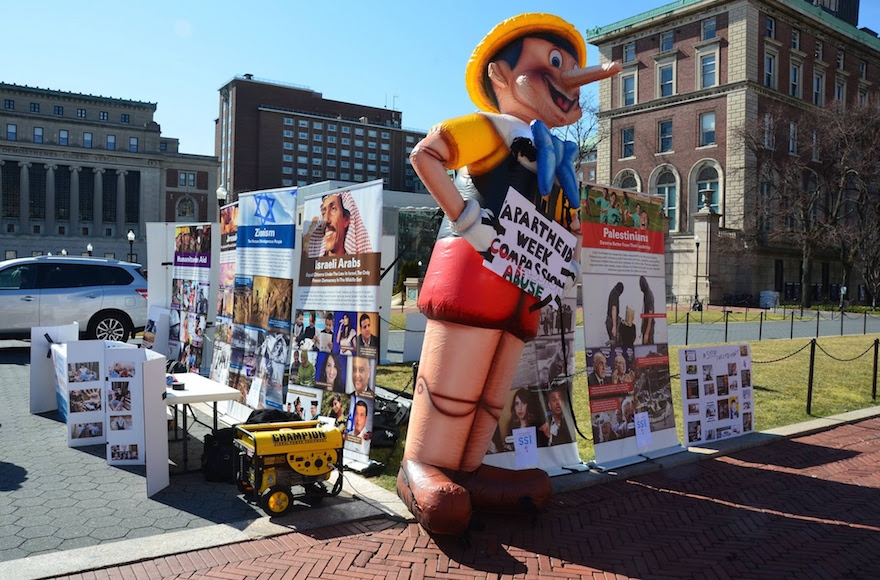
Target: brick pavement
{"type": "Point", "coordinates": [806, 507]}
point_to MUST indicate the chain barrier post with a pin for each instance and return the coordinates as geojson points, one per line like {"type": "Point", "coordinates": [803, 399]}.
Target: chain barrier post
{"type": "Point", "coordinates": [810, 381]}
{"type": "Point", "coordinates": [687, 326]}
{"type": "Point", "coordinates": [791, 332]}
{"type": "Point", "coordinates": [874, 380]}
{"type": "Point", "coordinates": [760, 326]}
{"type": "Point", "coordinates": [865, 322]}
{"type": "Point", "coordinates": [841, 323]}
{"type": "Point", "coordinates": [817, 325]}
{"type": "Point", "coordinates": [726, 317]}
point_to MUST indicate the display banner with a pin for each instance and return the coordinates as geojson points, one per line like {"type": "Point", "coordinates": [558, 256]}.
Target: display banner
{"type": "Point", "coordinates": [221, 369]}
{"type": "Point", "coordinates": [540, 398]}
{"type": "Point", "coordinates": [625, 334]}
{"type": "Point", "coordinates": [716, 392]}
{"type": "Point", "coordinates": [262, 295]}
{"type": "Point", "coordinates": [190, 288]}
{"type": "Point", "coordinates": [336, 324]}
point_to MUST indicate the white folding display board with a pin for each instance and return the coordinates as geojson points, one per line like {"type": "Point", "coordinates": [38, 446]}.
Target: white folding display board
{"type": "Point", "coordinates": [155, 423]}
{"type": "Point", "coordinates": [44, 396]}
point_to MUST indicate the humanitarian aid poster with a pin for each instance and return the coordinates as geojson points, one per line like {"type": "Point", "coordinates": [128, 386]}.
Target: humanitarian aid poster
{"type": "Point", "coordinates": [263, 293]}
{"type": "Point", "coordinates": [190, 289]}
{"type": "Point", "coordinates": [336, 324]}
{"type": "Point", "coordinates": [716, 392]}
{"type": "Point", "coordinates": [625, 335]}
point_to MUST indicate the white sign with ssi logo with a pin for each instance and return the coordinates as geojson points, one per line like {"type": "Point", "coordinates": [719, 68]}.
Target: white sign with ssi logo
{"type": "Point", "coordinates": [525, 446]}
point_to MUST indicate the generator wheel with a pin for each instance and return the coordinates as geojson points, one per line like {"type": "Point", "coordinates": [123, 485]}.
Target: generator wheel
{"type": "Point", "coordinates": [276, 500]}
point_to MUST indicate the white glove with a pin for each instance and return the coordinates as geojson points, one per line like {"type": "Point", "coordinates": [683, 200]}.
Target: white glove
{"type": "Point", "coordinates": [475, 224]}
{"type": "Point", "coordinates": [574, 276]}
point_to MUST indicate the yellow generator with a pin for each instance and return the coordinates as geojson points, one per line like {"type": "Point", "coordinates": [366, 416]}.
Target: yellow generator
{"type": "Point", "coordinates": [275, 457]}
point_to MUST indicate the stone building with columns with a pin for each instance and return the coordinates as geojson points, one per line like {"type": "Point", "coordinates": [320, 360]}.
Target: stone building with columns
{"type": "Point", "coordinates": [695, 72]}
{"type": "Point", "coordinates": [80, 171]}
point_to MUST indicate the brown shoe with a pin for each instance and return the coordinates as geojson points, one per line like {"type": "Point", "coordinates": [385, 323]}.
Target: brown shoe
{"type": "Point", "coordinates": [440, 505]}
{"type": "Point", "coordinates": [494, 489]}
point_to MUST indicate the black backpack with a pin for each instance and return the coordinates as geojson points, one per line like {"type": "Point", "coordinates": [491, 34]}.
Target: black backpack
{"type": "Point", "coordinates": [218, 457]}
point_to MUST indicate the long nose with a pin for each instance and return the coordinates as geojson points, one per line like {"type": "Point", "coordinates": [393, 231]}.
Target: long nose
{"type": "Point", "coordinates": [579, 77]}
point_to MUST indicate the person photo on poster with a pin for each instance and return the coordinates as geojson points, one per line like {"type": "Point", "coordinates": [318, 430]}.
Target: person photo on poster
{"type": "Point", "coordinates": [340, 230]}
{"type": "Point", "coordinates": [331, 372]}
{"type": "Point", "coordinates": [556, 430]}
{"type": "Point", "coordinates": [345, 333]}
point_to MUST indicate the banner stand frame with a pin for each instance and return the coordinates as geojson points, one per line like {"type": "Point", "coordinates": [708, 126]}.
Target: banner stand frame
{"type": "Point", "coordinates": [665, 452]}
{"type": "Point", "coordinates": [617, 463]}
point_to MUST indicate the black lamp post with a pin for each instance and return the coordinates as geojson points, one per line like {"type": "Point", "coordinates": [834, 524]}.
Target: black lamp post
{"type": "Point", "coordinates": [130, 236]}
{"type": "Point", "coordinates": [697, 305]}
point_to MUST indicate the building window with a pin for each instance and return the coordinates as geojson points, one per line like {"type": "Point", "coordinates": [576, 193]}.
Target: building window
{"type": "Point", "coordinates": [666, 41]}
{"type": "Point", "coordinates": [287, 158]}
{"type": "Point", "coordinates": [287, 170]}
{"type": "Point", "coordinates": [371, 156]}
{"type": "Point", "coordinates": [707, 179]}
{"type": "Point", "coordinates": [318, 137]}
{"type": "Point", "coordinates": [316, 173]}
{"type": "Point", "coordinates": [346, 129]}
{"type": "Point", "coordinates": [358, 142]}
{"type": "Point", "coordinates": [815, 145]}
{"type": "Point", "coordinates": [359, 131]}
{"type": "Point", "coordinates": [796, 39]}
{"type": "Point", "coordinates": [766, 221]}
{"type": "Point", "coordinates": [59, 110]}
{"type": "Point", "coordinates": [628, 89]}
{"type": "Point", "coordinates": [38, 134]}
{"type": "Point", "coordinates": [345, 164]}
{"type": "Point", "coordinates": [863, 69]}
{"type": "Point", "coordinates": [372, 133]}
{"type": "Point", "coordinates": [318, 125]}
{"type": "Point", "coordinates": [708, 29]}
{"type": "Point", "coordinates": [371, 144]}
{"type": "Point", "coordinates": [303, 123]}
{"type": "Point", "coordinates": [707, 129]}
{"type": "Point", "coordinates": [770, 28]}
{"type": "Point", "coordinates": [629, 52]}
{"type": "Point", "coordinates": [124, 118]}
{"type": "Point", "coordinates": [302, 147]}
{"type": "Point", "coordinates": [111, 142]}
{"type": "Point", "coordinates": [103, 116]}
{"type": "Point", "coordinates": [358, 166]}
{"type": "Point", "coordinates": [665, 133]}
{"type": "Point", "coordinates": [839, 59]}
{"type": "Point", "coordinates": [840, 91]}
{"type": "Point", "coordinates": [286, 182]}
{"type": "Point", "coordinates": [317, 161]}
{"type": "Point", "coordinates": [317, 149]}
{"type": "Point", "coordinates": [289, 146]}
{"type": "Point", "coordinates": [794, 87]}
{"type": "Point", "coordinates": [331, 163]}
{"type": "Point", "coordinates": [331, 150]}
{"type": "Point", "coordinates": [288, 121]}
{"type": "Point", "coordinates": [35, 107]}
{"type": "Point", "coordinates": [818, 90]}
{"type": "Point", "coordinates": [331, 127]}
{"type": "Point", "coordinates": [9, 104]}
{"type": "Point", "coordinates": [287, 133]}
{"type": "Point", "coordinates": [133, 144]}
{"type": "Point", "coordinates": [87, 140]}
{"type": "Point", "coordinates": [302, 159]}
{"type": "Point", "coordinates": [331, 138]}
{"type": "Point", "coordinates": [163, 146]}
{"type": "Point", "coordinates": [628, 142]}
{"type": "Point", "coordinates": [81, 113]}
{"type": "Point", "coordinates": [302, 171]}
{"type": "Point", "coordinates": [863, 96]}
{"type": "Point", "coordinates": [63, 137]}
{"type": "Point", "coordinates": [346, 140]}
{"type": "Point", "coordinates": [820, 50]}
{"type": "Point", "coordinates": [666, 188]}
{"type": "Point", "coordinates": [770, 70]}
{"type": "Point", "coordinates": [386, 135]}
{"type": "Point", "coordinates": [666, 80]}
{"type": "Point", "coordinates": [792, 138]}
{"type": "Point", "coordinates": [11, 132]}
{"type": "Point", "coordinates": [708, 77]}
{"type": "Point", "coordinates": [303, 135]}
{"type": "Point", "coordinates": [191, 179]}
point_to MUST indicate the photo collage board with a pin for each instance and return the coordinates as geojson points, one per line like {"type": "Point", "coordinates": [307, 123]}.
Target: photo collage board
{"type": "Point", "coordinates": [717, 392]}
{"type": "Point", "coordinates": [190, 291]}
{"type": "Point", "coordinates": [336, 322]}
{"type": "Point", "coordinates": [625, 333]}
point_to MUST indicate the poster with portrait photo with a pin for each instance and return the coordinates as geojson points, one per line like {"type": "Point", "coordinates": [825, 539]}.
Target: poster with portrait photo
{"type": "Point", "coordinates": [83, 372]}
{"type": "Point", "coordinates": [120, 422]}
{"type": "Point", "coordinates": [331, 371]}
{"type": "Point", "coordinates": [88, 433]}
{"type": "Point", "coordinates": [86, 400]}
{"type": "Point", "coordinates": [360, 376]}
{"type": "Point", "coordinates": [723, 396]}
{"type": "Point", "coordinates": [305, 401]}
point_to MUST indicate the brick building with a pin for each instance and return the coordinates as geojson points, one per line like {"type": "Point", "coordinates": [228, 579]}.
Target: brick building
{"type": "Point", "coordinates": [79, 170]}
{"type": "Point", "coordinates": [273, 135]}
{"type": "Point", "coordinates": [694, 73]}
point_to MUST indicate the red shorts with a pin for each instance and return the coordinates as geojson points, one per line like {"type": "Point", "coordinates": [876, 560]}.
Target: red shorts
{"type": "Point", "coordinates": [458, 288]}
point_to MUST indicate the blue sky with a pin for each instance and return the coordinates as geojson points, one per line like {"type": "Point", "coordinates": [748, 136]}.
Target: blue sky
{"type": "Point", "coordinates": [404, 55]}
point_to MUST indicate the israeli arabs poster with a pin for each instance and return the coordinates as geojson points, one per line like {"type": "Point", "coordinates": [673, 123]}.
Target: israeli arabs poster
{"type": "Point", "coordinates": [263, 294]}
{"type": "Point", "coordinates": [337, 319]}
{"type": "Point", "coordinates": [625, 336]}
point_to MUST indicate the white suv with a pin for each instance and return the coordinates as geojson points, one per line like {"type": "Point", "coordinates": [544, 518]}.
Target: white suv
{"type": "Point", "coordinates": [108, 298]}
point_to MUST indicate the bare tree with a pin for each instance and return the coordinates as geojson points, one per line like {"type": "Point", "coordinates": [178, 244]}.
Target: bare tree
{"type": "Point", "coordinates": [586, 132]}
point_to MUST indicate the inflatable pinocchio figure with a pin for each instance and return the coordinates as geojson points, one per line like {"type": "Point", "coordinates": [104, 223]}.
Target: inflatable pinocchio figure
{"type": "Point", "coordinates": [525, 77]}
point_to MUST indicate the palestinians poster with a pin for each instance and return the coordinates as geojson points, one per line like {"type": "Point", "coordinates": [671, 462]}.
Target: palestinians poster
{"type": "Point", "coordinates": [625, 338]}
{"type": "Point", "coordinates": [190, 288]}
{"type": "Point", "coordinates": [335, 326]}
{"type": "Point", "coordinates": [262, 296]}
{"type": "Point", "coordinates": [716, 392]}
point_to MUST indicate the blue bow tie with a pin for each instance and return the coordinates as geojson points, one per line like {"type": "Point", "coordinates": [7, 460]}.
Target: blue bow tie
{"type": "Point", "coordinates": [555, 161]}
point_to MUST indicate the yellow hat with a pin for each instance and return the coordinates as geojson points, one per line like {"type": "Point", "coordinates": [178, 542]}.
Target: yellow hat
{"type": "Point", "coordinates": [502, 35]}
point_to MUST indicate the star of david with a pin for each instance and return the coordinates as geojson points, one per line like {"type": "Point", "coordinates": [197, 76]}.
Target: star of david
{"type": "Point", "coordinates": [267, 215]}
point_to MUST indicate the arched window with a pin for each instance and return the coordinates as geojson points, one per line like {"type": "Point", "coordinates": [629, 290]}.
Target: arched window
{"type": "Point", "coordinates": [666, 188]}
{"type": "Point", "coordinates": [627, 180]}
{"type": "Point", "coordinates": [707, 180]}
{"type": "Point", "coordinates": [186, 209]}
